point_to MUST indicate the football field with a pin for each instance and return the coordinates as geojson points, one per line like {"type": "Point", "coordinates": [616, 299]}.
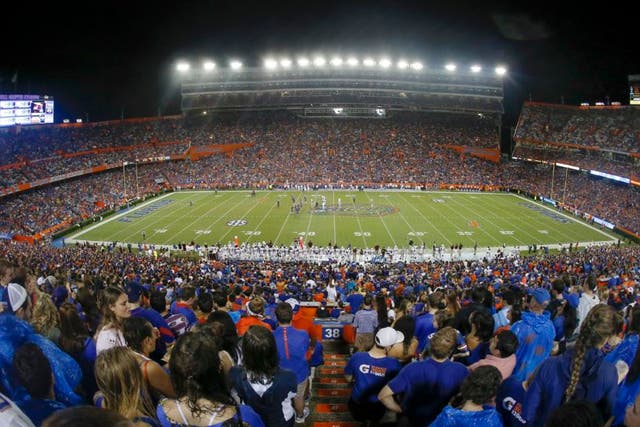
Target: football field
{"type": "Point", "coordinates": [362, 219]}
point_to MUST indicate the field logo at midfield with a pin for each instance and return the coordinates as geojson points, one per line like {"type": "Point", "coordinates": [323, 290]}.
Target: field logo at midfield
{"type": "Point", "coordinates": [237, 222]}
{"type": "Point", "coordinates": [349, 209]}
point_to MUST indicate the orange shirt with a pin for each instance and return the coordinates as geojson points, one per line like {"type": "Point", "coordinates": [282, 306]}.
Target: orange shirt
{"type": "Point", "coordinates": [246, 322]}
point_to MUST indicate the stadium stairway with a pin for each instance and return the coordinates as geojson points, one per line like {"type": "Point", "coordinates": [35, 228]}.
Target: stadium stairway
{"type": "Point", "coordinates": [330, 391]}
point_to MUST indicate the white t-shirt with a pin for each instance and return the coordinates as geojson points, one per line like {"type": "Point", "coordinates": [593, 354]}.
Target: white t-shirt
{"type": "Point", "coordinates": [11, 415]}
{"type": "Point", "coordinates": [109, 338]}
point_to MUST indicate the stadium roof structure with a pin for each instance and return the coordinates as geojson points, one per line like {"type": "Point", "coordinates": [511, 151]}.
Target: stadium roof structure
{"type": "Point", "coordinates": [339, 87]}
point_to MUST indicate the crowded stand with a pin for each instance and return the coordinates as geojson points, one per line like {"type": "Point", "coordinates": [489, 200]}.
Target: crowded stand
{"type": "Point", "coordinates": [400, 152]}
{"type": "Point", "coordinates": [617, 164]}
{"type": "Point", "coordinates": [611, 129]}
{"type": "Point", "coordinates": [168, 340]}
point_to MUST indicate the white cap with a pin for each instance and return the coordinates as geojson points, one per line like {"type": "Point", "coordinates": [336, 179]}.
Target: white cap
{"type": "Point", "coordinates": [16, 295]}
{"type": "Point", "coordinates": [388, 336]}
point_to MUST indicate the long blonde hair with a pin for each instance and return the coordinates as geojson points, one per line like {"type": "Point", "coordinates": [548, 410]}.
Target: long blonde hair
{"type": "Point", "coordinates": [119, 378]}
{"type": "Point", "coordinates": [599, 324]}
{"type": "Point", "coordinates": [44, 315]}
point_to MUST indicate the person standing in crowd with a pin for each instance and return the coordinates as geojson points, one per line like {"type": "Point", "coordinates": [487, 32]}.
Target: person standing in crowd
{"type": "Point", "coordinates": [535, 334]}
{"type": "Point", "coordinates": [141, 338]}
{"type": "Point", "coordinates": [502, 350]}
{"type": "Point", "coordinates": [473, 406]}
{"type": "Point", "coordinates": [579, 373]}
{"type": "Point", "coordinates": [122, 388]}
{"type": "Point", "coordinates": [426, 386]}
{"type": "Point", "coordinates": [204, 399]}
{"type": "Point", "coordinates": [293, 345]}
{"type": "Point", "coordinates": [114, 305]}
{"type": "Point", "coordinates": [365, 322]}
{"type": "Point", "coordinates": [369, 372]}
{"type": "Point", "coordinates": [261, 383]}
{"type": "Point", "coordinates": [33, 371]}
{"type": "Point", "coordinates": [588, 299]}
{"type": "Point", "coordinates": [255, 316]}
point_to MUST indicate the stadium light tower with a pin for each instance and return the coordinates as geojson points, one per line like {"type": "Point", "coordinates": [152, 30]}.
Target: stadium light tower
{"type": "Point", "coordinates": [319, 61]}
{"type": "Point", "coordinates": [208, 66]}
{"type": "Point", "coordinates": [403, 65]}
{"type": "Point", "coordinates": [285, 63]}
{"type": "Point", "coordinates": [303, 62]}
{"type": "Point", "coordinates": [183, 66]}
{"type": "Point", "coordinates": [352, 62]}
{"type": "Point", "coordinates": [384, 63]}
{"type": "Point", "coordinates": [270, 64]}
{"type": "Point", "coordinates": [369, 62]}
{"type": "Point", "coordinates": [450, 67]}
{"type": "Point", "coordinates": [476, 68]}
{"type": "Point", "coordinates": [417, 66]}
{"type": "Point", "coordinates": [336, 61]}
{"type": "Point", "coordinates": [235, 65]}
{"type": "Point", "coordinates": [500, 70]}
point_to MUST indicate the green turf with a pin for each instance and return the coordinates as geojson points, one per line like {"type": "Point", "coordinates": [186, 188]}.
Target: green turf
{"type": "Point", "coordinates": [376, 218]}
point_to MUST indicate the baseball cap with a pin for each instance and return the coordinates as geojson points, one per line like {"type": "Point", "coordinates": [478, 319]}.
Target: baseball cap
{"type": "Point", "coordinates": [134, 291]}
{"type": "Point", "coordinates": [388, 336]}
{"type": "Point", "coordinates": [293, 303]}
{"type": "Point", "coordinates": [541, 295]}
{"type": "Point", "coordinates": [14, 296]}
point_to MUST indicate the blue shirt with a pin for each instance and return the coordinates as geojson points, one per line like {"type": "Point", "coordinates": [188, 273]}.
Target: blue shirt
{"type": "Point", "coordinates": [39, 410]}
{"type": "Point", "coordinates": [427, 386]}
{"type": "Point", "coordinates": [424, 328]}
{"type": "Point", "coordinates": [292, 352]}
{"type": "Point", "coordinates": [370, 375]}
{"type": "Point", "coordinates": [355, 301]}
{"type": "Point", "coordinates": [509, 402]}
{"type": "Point", "coordinates": [275, 404]}
{"type": "Point", "coordinates": [453, 417]}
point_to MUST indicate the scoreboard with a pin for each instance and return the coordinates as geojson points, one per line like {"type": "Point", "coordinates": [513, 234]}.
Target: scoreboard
{"type": "Point", "coordinates": [25, 110]}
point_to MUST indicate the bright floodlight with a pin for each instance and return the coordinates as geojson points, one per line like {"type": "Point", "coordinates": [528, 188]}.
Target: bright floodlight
{"type": "Point", "coordinates": [270, 64]}
{"type": "Point", "coordinates": [352, 62]}
{"type": "Point", "coordinates": [501, 71]}
{"type": "Point", "coordinates": [285, 63]}
{"type": "Point", "coordinates": [336, 61]}
{"type": "Point", "coordinates": [450, 67]}
{"type": "Point", "coordinates": [319, 61]}
{"type": "Point", "coordinates": [385, 63]}
{"type": "Point", "coordinates": [476, 68]}
{"type": "Point", "coordinates": [303, 62]}
{"type": "Point", "coordinates": [235, 65]}
{"type": "Point", "coordinates": [337, 110]}
{"type": "Point", "coordinates": [417, 66]}
{"type": "Point", "coordinates": [369, 62]}
{"type": "Point", "coordinates": [183, 67]}
{"type": "Point", "coordinates": [403, 65]}
{"type": "Point", "coordinates": [208, 66]}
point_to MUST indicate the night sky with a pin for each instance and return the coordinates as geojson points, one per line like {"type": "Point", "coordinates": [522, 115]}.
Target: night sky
{"type": "Point", "coordinates": [118, 59]}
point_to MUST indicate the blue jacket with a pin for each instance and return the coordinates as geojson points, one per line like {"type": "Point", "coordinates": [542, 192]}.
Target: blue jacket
{"type": "Point", "coordinates": [453, 417]}
{"type": "Point", "coordinates": [535, 334]}
{"type": "Point", "coordinates": [598, 383]}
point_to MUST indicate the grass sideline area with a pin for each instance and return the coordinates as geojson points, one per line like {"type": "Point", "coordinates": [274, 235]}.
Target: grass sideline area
{"type": "Point", "coordinates": [362, 219]}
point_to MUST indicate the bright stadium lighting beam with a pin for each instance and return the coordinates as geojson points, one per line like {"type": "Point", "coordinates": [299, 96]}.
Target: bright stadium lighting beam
{"type": "Point", "coordinates": [285, 63]}
{"type": "Point", "coordinates": [303, 62]}
{"type": "Point", "coordinates": [235, 65]}
{"type": "Point", "coordinates": [183, 66]}
{"type": "Point", "coordinates": [501, 70]}
{"type": "Point", "coordinates": [417, 66]}
{"type": "Point", "coordinates": [476, 68]}
{"type": "Point", "coordinates": [384, 63]}
{"type": "Point", "coordinates": [369, 62]}
{"type": "Point", "coordinates": [352, 62]}
{"type": "Point", "coordinates": [450, 67]}
{"type": "Point", "coordinates": [270, 64]}
{"type": "Point", "coordinates": [403, 65]}
{"type": "Point", "coordinates": [336, 61]}
{"type": "Point", "coordinates": [319, 61]}
{"type": "Point", "coordinates": [208, 65]}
